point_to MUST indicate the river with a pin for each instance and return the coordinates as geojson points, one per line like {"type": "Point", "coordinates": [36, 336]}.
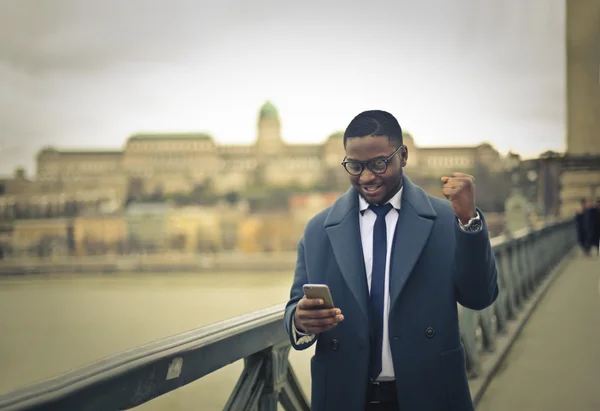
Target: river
{"type": "Point", "coordinates": [50, 324]}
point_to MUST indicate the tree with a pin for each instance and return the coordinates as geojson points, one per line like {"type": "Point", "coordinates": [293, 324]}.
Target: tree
{"type": "Point", "coordinates": [204, 193]}
{"type": "Point", "coordinates": [158, 194]}
{"type": "Point", "coordinates": [135, 190]}
{"type": "Point", "coordinates": [232, 197]}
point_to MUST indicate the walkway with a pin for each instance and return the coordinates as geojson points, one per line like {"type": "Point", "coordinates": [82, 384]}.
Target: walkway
{"type": "Point", "coordinates": [555, 363]}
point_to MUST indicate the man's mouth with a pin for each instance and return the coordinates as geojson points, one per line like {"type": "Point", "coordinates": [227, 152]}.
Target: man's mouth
{"type": "Point", "coordinates": [372, 189]}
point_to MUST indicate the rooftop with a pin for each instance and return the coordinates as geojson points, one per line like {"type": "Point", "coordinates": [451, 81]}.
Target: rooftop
{"type": "Point", "coordinates": [80, 151]}
{"type": "Point", "coordinates": [170, 136]}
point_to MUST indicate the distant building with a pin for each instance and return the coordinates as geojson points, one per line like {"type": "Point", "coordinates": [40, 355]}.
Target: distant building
{"type": "Point", "coordinates": [16, 184]}
{"type": "Point", "coordinates": [147, 227]}
{"type": "Point", "coordinates": [580, 176]}
{"type": "Point", "coordinates": [194, 229]}
{"type": "Point", "coordinates": [539, 180]}
{"type": "Point", "coordinates": [84, 202]}
{"type": "Point", "coordinates": [172, 163]}
{"type": "Point", "coordinates": [42, 237]}
{"type": "Point", "coordinates": [99, 234]}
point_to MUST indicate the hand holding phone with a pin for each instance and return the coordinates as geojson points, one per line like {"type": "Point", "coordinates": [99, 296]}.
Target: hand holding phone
{"type": "Point", "coordinates": [316, 312]}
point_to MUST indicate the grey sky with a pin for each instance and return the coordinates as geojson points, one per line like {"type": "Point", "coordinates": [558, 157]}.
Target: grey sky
{"type": "Point", "coordinates": [82, 73]}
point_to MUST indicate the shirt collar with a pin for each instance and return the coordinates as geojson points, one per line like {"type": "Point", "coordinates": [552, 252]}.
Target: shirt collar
{"type": "Point", "coordinates": [394, 201]}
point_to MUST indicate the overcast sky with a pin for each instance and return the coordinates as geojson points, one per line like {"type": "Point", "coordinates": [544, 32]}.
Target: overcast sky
{"type": "Point", "coordinates": [82, 73]}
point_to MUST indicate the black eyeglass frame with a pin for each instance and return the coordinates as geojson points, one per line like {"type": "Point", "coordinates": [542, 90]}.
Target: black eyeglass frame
{"type": "Point", "coordinates": [368, 164]}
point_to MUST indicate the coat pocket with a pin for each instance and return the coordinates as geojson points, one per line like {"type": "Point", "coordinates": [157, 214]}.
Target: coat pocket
{"type": "Point", "coordinates": [455, 379]}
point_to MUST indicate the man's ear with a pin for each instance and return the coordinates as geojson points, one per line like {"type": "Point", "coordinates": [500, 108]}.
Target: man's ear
{"type": "Point", "coordinates": [403, 156]}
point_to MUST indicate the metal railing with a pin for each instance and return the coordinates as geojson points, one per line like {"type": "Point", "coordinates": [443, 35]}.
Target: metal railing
{"type": "Point", "coordinates": [135, 376]}
{"type": "Point", "coordinates": [523, 262]}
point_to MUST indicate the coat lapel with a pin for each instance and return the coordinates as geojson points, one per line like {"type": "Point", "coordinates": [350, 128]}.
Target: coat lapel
{"type": "Point", "coordinates": [415, 221]}
{"type": "Point", "coordinates": [344, 233]}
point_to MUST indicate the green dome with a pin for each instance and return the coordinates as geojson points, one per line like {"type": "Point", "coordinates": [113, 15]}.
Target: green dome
{"type": "Point", "coordinates": [268, 110]}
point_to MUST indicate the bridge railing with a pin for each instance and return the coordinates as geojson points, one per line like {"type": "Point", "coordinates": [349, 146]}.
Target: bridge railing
{"type": "Point", "coordinates": [138, 375]}
{"type": "Point", "coordinates": [523, 262]}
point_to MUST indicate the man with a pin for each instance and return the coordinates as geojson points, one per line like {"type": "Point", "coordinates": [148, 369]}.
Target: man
{"type": "Point", "coordinates": [588, 222]}
{"type": "Point", "coordinates": [592, 221]}
{"type": "Point", "coordinates": [581, 228]}
{"type": "Point", "coordinates": [597, 229]}
{"type": "Point", "coordinates": [396, 261]}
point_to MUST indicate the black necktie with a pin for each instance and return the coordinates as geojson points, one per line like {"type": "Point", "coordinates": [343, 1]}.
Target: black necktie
{"type": "Point", "coordinates": [378, 285]}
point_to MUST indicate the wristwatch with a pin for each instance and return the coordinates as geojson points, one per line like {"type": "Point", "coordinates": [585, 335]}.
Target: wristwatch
{"type": "Point", "coordinates": [473, 225]}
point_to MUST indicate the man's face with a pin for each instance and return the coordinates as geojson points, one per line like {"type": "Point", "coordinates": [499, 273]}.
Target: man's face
{"type": "Point", "coordinates": [376, 188]}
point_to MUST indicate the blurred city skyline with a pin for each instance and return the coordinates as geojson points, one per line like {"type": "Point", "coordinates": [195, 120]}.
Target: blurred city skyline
{"type": "Point", "coordinates": [459, 72]}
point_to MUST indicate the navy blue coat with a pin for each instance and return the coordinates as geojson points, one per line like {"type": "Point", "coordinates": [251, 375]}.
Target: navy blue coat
{"type": "Point", "coordinates": [434, 265]}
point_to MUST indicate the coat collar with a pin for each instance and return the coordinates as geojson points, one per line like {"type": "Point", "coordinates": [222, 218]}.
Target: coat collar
{"type": "Point", "coordinates": [411, 195]}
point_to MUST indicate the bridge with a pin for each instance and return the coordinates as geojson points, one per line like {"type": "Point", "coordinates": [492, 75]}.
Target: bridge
{"type": "Point", "coordinates": [535, 348]}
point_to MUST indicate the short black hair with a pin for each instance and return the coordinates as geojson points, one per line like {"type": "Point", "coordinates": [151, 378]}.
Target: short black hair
{"type": "Point", "coordinates": [374, 123]}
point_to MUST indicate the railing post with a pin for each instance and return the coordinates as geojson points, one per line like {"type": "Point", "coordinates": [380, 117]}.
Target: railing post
{"type": "Point", "coordinates": [276, 368]}
{"type": "Point", "coordinates": [527, 259]}
{"type": "Point", "coordinates": [522, 267]}
{"type": "Point", "coordinates": [533, 258]}
{"type": "Point", "coordinates": [502, 302]}
{"type": "Point", "coordinates": [468, 333]}
{"type": "Point", "coordinates": [512, 254]}
{"type": "Point", "coordinates": [509, 283]}
{"type": "Point", "coordinates": [488, 334]}
{"type": "Point", "coordinates": [266, 380]}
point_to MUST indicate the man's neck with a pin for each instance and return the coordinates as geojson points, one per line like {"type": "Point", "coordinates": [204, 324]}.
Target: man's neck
{"type": "Point", "coordinates": [395, 200]}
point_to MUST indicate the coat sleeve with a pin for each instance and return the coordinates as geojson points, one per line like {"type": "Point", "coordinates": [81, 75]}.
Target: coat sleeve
{"type": "Point", "coordinates": [296, 294]}
{"type": "Point", "coordinates": [475, 273]}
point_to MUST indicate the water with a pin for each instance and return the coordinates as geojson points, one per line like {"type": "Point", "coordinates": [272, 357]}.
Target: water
{"type": "Point", "coordinates": [51, 324]}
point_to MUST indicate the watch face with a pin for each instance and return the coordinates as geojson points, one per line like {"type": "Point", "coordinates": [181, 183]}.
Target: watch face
{"type": "Point", "coordinates": [475, 225]}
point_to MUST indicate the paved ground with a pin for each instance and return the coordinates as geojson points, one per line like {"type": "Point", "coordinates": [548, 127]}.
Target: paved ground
{"type": "Point", "coordinates": [555, 363]}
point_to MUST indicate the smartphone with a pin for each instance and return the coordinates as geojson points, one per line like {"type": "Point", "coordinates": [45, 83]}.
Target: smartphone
{"type": "Point", "coordinates": [319, 291]}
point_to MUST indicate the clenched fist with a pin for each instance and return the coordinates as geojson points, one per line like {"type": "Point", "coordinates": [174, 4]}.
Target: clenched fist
{"type": "Point", "coordinates": [460, 190]}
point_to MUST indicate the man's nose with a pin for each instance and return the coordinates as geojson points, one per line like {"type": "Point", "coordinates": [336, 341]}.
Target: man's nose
{"type": "Point", "coordinates": [366, 177]}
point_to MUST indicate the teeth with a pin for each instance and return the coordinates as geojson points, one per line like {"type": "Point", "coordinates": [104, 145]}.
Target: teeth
{"type": "Point", "coordinates": [370, 188]}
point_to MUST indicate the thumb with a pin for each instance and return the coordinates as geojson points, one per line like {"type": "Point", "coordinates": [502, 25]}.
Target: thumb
{"type": "Point", "coordinates": [444, 179]}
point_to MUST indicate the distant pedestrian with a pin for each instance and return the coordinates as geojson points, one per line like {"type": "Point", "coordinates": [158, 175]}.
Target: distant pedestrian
{"type": "Point", "coordinates": [580, 227]}
{"type": "Point", "coordinates": [596, 227]}
{"type": "Point", "coordinates": [589, 221]}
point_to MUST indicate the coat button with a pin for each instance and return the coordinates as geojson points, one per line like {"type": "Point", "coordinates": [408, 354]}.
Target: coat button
{"type": "Point", "coordinates": [335, 345]}
{"type": "Point", "coordinates": [429, 332]}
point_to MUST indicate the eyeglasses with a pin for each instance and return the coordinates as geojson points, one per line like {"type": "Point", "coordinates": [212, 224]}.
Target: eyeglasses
{"type": "Point", "coordinates": [377, 166]}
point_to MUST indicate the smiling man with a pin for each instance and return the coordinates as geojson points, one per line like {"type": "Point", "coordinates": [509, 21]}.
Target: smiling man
{"type": "Point", "coordinates": [396, 261]}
